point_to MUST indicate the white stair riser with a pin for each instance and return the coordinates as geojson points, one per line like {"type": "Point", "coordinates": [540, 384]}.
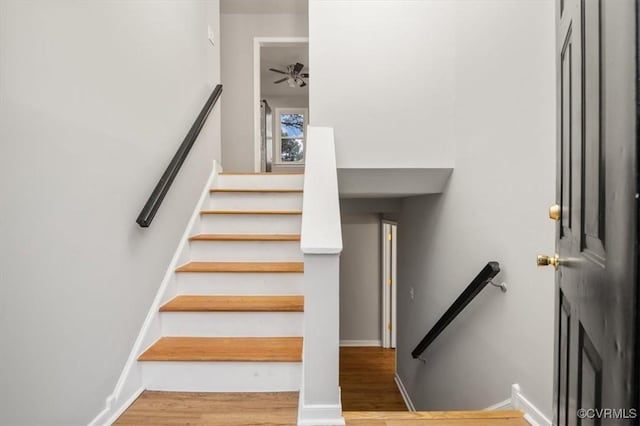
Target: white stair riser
{"type": "Point", "coordinates": [251, 224]}
{"type": "Point", "coordinates": [222, 376]}
{"type": "Point", "coordinates": [240, 251]}
{"type": "Point", "coordinates": [232, 324]}
{"type": "Point", "coordinates": [223, 283]}
{"type": "Point", "coordinates": [268, 181]}
{"type": "Point", "coordinates": [255, 201]}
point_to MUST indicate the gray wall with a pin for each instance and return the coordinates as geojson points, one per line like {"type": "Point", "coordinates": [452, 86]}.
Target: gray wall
{"type": "Point", "coordinates": [494, 208]}
{"type": "Point", "coordinates": [382, 77]}
{"type": "Point", "coordinates": [238, 32]}
{"type": "Point", "coordinates": [95, 97]}
{"type": "Point", "coordinates": [360, 297]}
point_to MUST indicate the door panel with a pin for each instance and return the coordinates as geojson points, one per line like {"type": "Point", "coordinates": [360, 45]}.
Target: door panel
{"type": "Point", "coordinates": [596, 299]}
{"type": "Point", "coordinates": [565, 140]}
{"type": "Point", "coordinates": [589, 375]}
{"type": "Point", "coordinates": [564, 327]}
{"type": "Point", "coordinates": [593, 188]}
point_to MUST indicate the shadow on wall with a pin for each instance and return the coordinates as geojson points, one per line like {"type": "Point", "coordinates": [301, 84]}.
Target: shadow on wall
{"type": "Point", "coordinates": [360, 298]}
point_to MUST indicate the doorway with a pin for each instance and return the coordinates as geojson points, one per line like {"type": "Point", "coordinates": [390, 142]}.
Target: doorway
{"type": "Point", "coordinates": [281, 103]}
{"type": "Point", "coordinates": [388, 284]}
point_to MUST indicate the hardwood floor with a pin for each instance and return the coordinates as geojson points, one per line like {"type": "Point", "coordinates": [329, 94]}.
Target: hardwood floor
{"type": "Point", "coordinates": [367, 380]}
{"type": "Point", "coordinates": [369, 398]}
{"type": "Point", "coordinates": [212, 409]}
{"type": "Point", "coordinates": [436, 418]}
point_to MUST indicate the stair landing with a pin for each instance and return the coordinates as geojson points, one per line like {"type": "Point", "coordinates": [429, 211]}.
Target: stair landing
{"type": "Point", "coordinates": [433, 418]}
{"type": "Point", "coordinates": [281, 409]}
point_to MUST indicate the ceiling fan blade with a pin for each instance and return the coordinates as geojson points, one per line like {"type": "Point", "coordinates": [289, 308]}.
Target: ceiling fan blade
{"type": "Point", "coordinates": [303, 84]}
{"type": "Point", "coordinates": [305, 75]}
{"type": "Point", "coordinates": [281, 80]}
{"type": "Point", "coordinates": [278, 71]}
{"type": "Point", "coordinates": [297, 68]}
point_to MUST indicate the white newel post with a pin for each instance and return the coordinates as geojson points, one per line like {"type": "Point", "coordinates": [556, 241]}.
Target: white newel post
{"type": "Point", "coordinates": [321, 243]}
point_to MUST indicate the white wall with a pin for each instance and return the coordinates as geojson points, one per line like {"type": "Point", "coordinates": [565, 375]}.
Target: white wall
{"type": "Point", "coordinates": [494, 208]}
{"type": "Point", "coordinates": [95, 98]}
{"type": "Point", "coordinates": [287, 101]}
{"type": "Point", "coordinates": [238, 32]}
{"type": "Point", "coordinates": [360, 298]}
{"type": "Point", "coordinates": [381, 75]}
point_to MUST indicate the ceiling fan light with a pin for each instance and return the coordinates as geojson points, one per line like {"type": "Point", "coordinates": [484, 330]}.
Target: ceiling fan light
{"type": "Point", "coordinates": [291, 82]}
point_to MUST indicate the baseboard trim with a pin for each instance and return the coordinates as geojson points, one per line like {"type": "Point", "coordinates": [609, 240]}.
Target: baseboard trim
{"type": "Point", "coordinates": [123, 407]}
{"type": "Point", "coordinates": [359, 343]}
{"type": "Point", "coordinates": [130, 383]}
{"type": "Point", "coordinates": [319, 414]}
{"type": "Point", "coordinates": [518, 401]}
{"type": "Point", "coordinates": [404, 393]}
{"type": "Point", "coordinates": [532, 414]}
{"type": "Point", "coordinates": [502, 405]}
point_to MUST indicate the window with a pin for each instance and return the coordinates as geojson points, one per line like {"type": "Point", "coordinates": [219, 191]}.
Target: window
{"type": "Point", "coordinates": [291, 129]}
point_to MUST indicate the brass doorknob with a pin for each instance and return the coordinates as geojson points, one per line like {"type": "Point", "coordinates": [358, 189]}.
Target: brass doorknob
{"type": "Point", "coordinates": [554, 212]}
{"type": "Point", "coordinates": [547, 260]}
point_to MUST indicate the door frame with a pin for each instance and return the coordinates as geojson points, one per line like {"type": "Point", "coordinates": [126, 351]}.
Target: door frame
{"type": "Point", "coordinates": [637, 218]}
{"type": "Point", "coordinates": [388, 282]}
{"type": "Point", "coordinates": [259, 42]}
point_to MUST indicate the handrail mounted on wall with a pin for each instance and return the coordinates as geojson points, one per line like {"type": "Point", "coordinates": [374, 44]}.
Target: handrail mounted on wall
{"type": "Point", "coordinates": [155, 199]}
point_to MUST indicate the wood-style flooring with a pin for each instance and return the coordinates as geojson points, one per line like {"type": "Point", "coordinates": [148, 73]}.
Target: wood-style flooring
{"type": "Point", "coordinates": [436, 418]}
{"type": "Point", "coordinates": [367, 380]}
{"type": "Point", "coordinates": [369, 398]}
{"type": "Point", "coordinates": [212, 409]}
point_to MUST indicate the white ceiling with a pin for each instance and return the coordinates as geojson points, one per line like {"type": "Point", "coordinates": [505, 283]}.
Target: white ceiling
{"type": "Point", "coordinates": [264, 6]}
{"type": "Point", "coordinates": [279, 58]}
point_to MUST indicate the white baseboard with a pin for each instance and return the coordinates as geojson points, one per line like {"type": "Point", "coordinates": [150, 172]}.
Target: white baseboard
{"type": "Point", "coordinates": [404, 393]}
{"type": "Point", "coordinates": [532, 414]}
{"type": "Point", "coordinates": [502, 405]}
{"type": "Point", "coordinates": [319, 414]}
{"type": "Point", "coordinates": [356, 343]}
{"type": "Point", "coordinates": [130, 384]}
{"type": "Point", "coordinates": [518, 401]}
{"type": "Point", "coordinates": [110, 414]}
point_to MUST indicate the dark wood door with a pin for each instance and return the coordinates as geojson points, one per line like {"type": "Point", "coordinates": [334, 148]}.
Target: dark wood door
{"type": "Point", "coordinates": [596, 281]}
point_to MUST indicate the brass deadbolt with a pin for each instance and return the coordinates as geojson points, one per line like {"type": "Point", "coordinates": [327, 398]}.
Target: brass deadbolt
{"type": "Point", "coordinates": [554, 212]}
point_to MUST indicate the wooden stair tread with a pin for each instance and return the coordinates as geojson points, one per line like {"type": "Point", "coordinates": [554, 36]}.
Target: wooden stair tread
{"type": "Point", "coordinates": [242, 267]}
{"type": "Point", "coordinates": [283, 212]}
{"type": "Point", "coordinates": [245, 237]}
{"type": "Point", "coordinates": [432, 415]}
{"type": "Point", "coordinates": [234, 304]}
{"type": "Point", "coordinates": [257, 190]}
{"type": "Point", "coordinates": [239, 349]}
{"type": "Point", "coordinates": [259, 173]}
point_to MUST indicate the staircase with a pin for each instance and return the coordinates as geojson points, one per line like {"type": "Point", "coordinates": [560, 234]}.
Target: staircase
{"type": "Point", "coordinates": [236, 322]}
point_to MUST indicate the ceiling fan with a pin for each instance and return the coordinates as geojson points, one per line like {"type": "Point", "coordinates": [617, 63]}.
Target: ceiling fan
{"type": "Point", "coordinates": [294, 77]}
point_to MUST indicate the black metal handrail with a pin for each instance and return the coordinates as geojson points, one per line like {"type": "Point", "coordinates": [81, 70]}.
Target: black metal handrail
{"type": "Point", "coordinates": [479, 282]}
{"type": "Point", "coordinates": [155, 199]}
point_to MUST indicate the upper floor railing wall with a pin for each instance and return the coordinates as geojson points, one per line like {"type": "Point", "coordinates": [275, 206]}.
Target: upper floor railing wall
{"type": "Point", "coordinates": [321, 243]}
